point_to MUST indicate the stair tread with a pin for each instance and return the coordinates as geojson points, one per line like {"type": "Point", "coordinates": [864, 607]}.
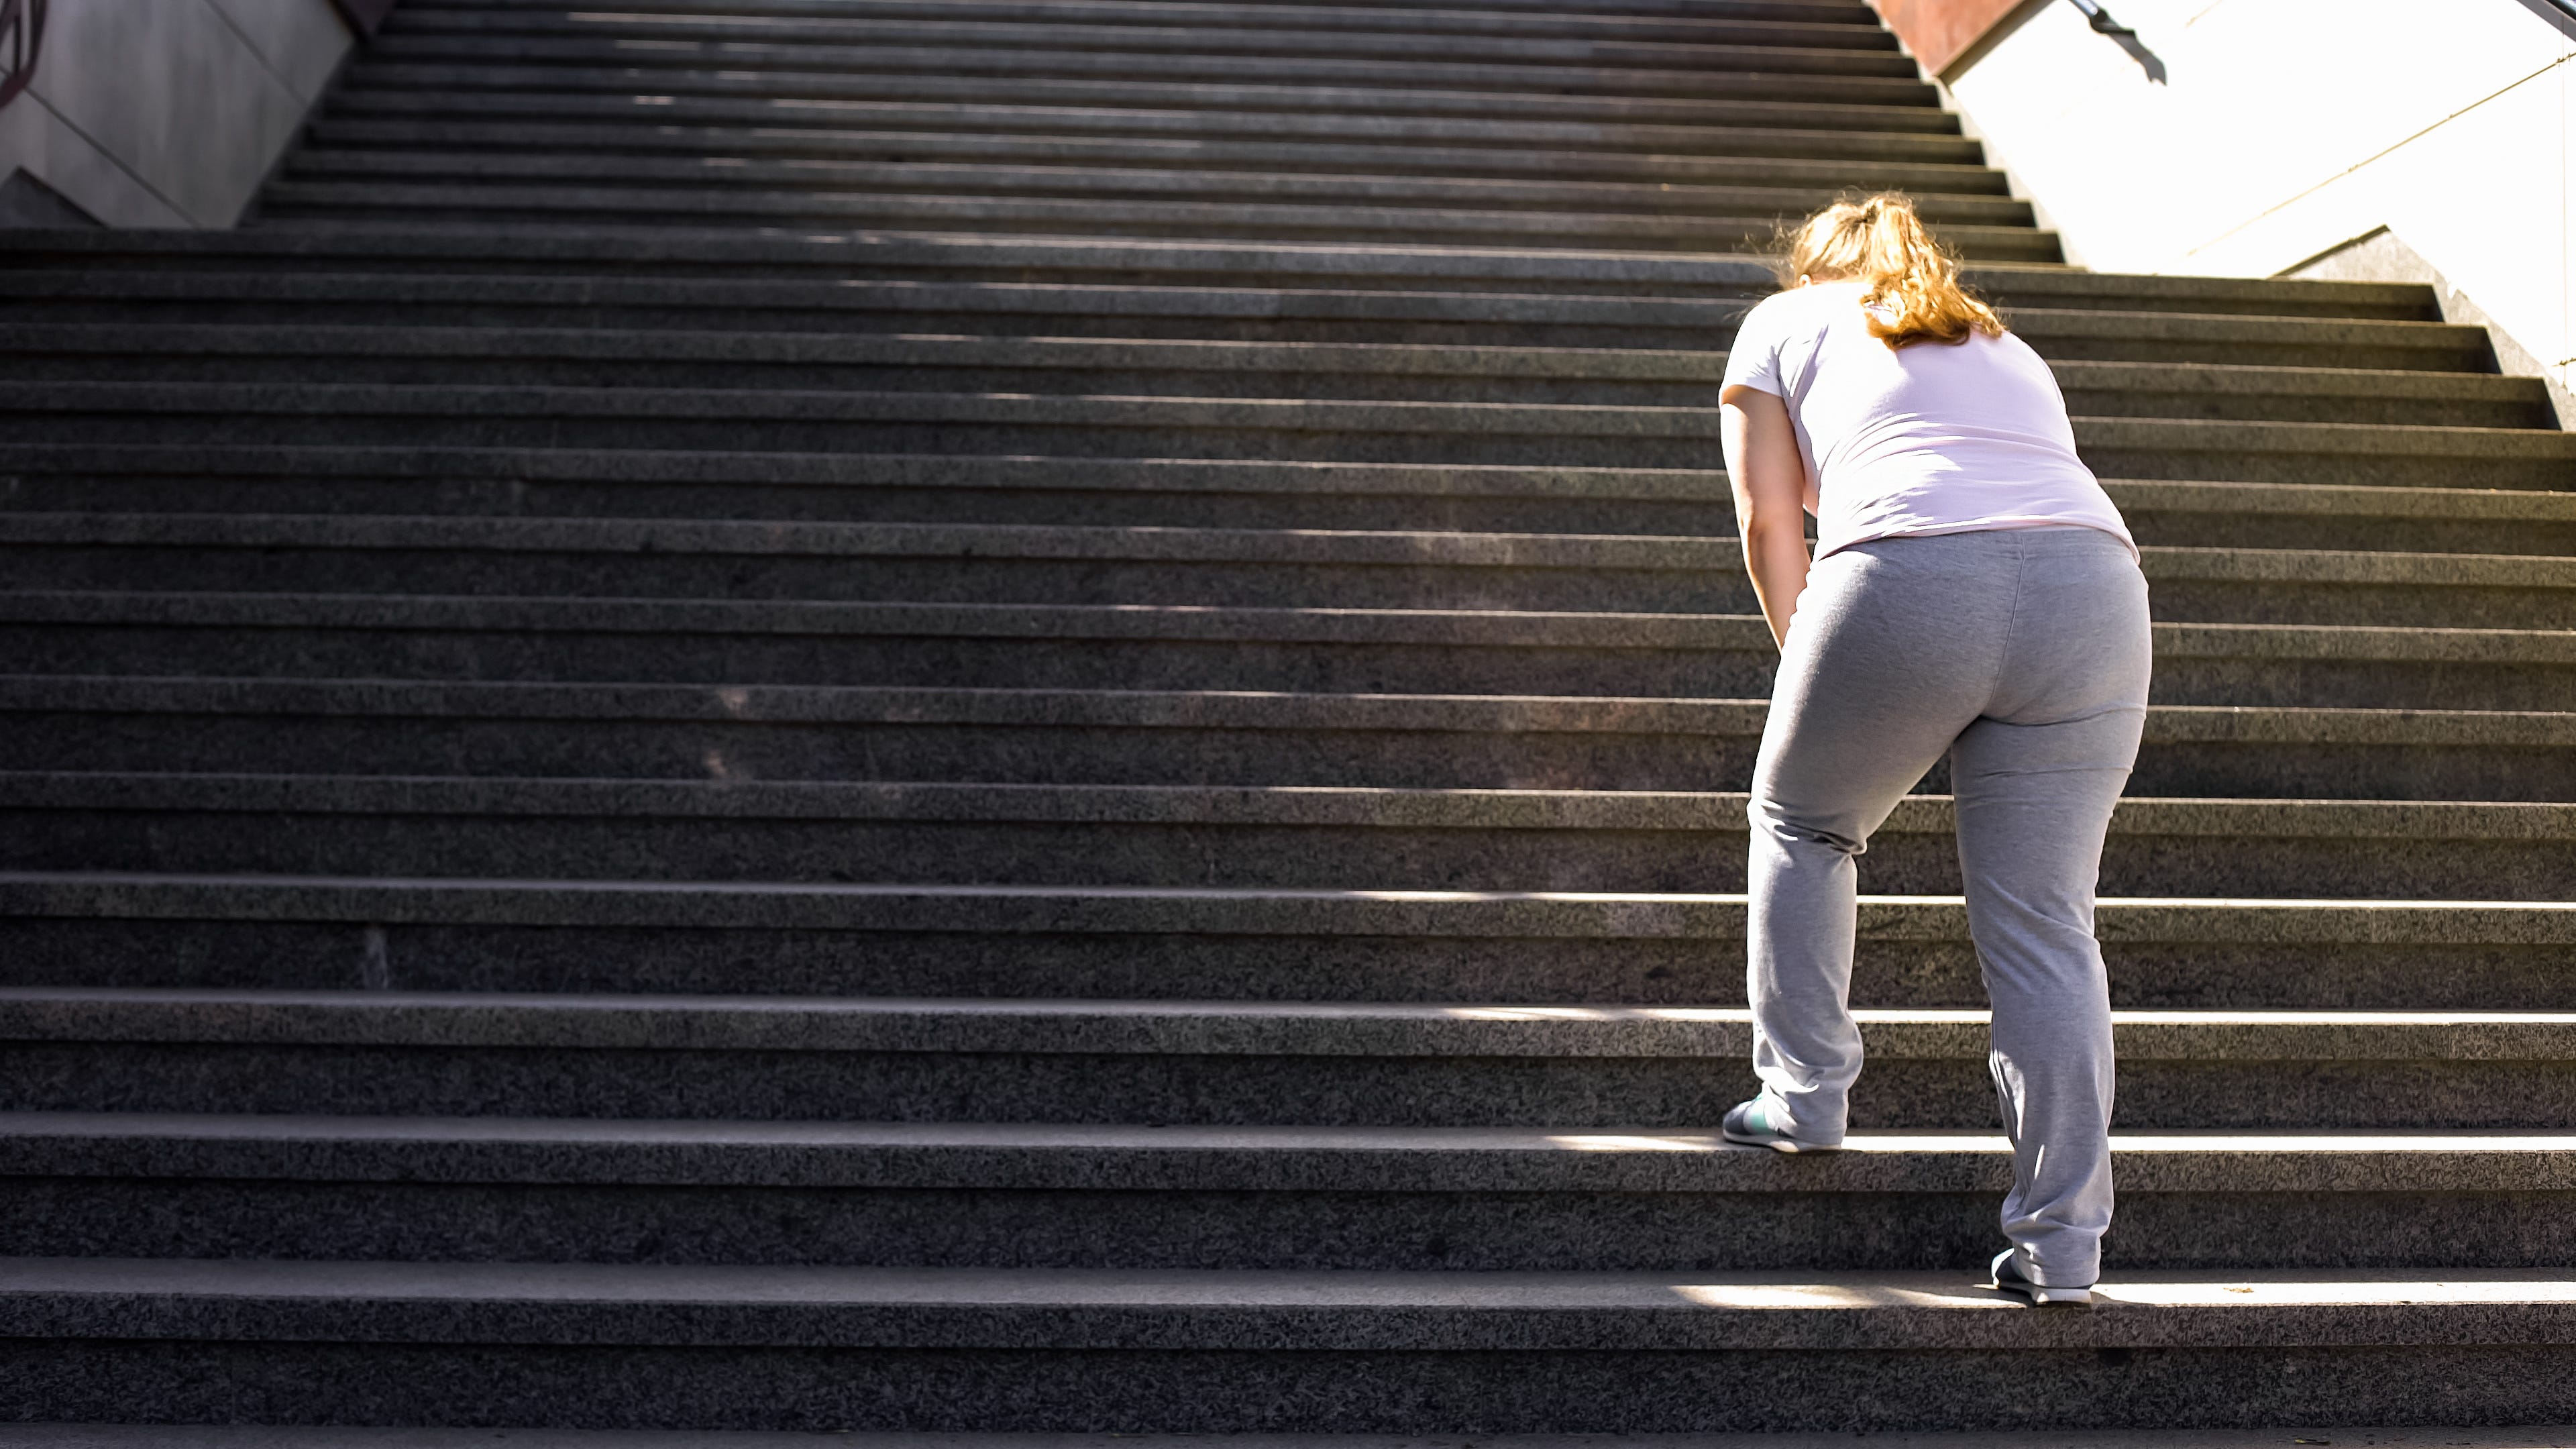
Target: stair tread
{"type": "Point", "coordinates": [995, 543]}
{"type": "Point", "coordinates": [1456, 627]}
{"type": "Point", "coordinates": [1064, 1308]}
{"type": "Point", "coordinates": [1219, 910]}
{"type": "Point", "coordinates": [1042, 1157]}
{"type": "Point", "coordinates": [977, 1024]}
{"type": "Point", "coordinates": [194, 1436]}
{"type": "Point", "coordinates": [1215, 709]}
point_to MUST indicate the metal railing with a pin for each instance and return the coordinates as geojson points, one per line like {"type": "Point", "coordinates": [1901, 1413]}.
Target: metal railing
{"type": "Point", "coordinates": [22, 37]}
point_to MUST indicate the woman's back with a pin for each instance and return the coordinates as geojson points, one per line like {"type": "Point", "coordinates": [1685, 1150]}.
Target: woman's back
{"type": "Point", "coordinates": [1927, 438]}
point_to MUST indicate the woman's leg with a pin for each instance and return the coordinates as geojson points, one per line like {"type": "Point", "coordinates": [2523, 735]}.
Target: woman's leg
{"type": "Point", "coordinates": [2035, 783]}
{"type": "Point", "coordinates": [1892, 652]}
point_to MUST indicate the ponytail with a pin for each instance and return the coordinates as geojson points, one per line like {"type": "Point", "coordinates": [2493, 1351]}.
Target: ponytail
{"type": "Point", "coordinates": [1913, 281]}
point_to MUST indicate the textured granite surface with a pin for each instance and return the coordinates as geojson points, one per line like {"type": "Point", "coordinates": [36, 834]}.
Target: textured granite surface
{"type": "Point", "coordinates": [1771, 1229]}
{"type": "Point", "coordinates": [1252, 1159]}
{"type": "Point", "coordinates": [837, 253]}
{"type": "Point", "coordinates": [1559, 948]}
{"type": "Point", "coordinates": [1301, 837]}
{"type": "Point", "coordinates": [213, 1436]}
{"type": "Point", "coordinates": [1446, 1029]}
{"type": "Point", "coordinates": [1441, 1393]}
{"type": "Point", "coordinates": [967, 1308]}
{"type": "Point", "coordinates": [1612, 1093]}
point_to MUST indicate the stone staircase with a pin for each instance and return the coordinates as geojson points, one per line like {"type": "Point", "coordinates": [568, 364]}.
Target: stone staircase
{"type": "Point", "coordinates": [1029, 714]}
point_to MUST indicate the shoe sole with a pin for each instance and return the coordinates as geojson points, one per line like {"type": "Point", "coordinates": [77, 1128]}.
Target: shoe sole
{"type": "Point", "coordinates": [1779, 1144]}
{"type": "Point", "coordinates": [2038, 1296]}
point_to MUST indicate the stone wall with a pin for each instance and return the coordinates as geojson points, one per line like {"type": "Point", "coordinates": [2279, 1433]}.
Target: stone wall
{"type": "Point", "coordinates": [162, 113]}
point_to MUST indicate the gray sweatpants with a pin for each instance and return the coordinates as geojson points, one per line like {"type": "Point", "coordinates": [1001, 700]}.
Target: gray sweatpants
{"type": "Point", "coordinates": [2022, 654]}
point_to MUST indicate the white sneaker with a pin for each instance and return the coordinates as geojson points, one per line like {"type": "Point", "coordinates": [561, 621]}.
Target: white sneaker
{"type": "Point", "coordinates": [2007, 1276]}
{"type": "Point", "coordinates": [1752, 1124]}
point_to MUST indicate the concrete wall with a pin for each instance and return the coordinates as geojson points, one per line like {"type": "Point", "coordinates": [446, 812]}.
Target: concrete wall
{"type": "Point", "coordinates": [2285, 131]}
{"type": "Point", "coordinates": [169, 112]}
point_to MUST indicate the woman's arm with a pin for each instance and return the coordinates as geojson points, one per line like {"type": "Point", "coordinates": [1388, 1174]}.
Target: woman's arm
{"type": "Point", "coordinates": [1771, 496]}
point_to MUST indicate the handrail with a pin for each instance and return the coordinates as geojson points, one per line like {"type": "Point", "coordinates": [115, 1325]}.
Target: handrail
{"type": "Point", "coordinates": [22, 36]}
{"type": "Point", "coordinates": [2102, 23]}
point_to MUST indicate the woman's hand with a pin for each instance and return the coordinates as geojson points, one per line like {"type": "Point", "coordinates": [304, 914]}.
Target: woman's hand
{"type": "Point", "coordinates": [1772, 495]}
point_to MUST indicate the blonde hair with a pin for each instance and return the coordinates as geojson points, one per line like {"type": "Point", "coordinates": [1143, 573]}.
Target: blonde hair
{"type": "Point", "coordinates": [1914, 293]}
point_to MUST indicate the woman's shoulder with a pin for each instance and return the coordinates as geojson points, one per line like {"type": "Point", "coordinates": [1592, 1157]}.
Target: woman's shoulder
{"type": "Point", "coordinates": [1809, 308]}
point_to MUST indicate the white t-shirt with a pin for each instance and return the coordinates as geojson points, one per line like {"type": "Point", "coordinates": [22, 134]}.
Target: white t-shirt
{"type": "Point", "coordinates": [1927, 438]}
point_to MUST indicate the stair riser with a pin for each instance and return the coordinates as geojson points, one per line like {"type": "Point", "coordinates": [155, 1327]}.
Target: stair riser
{"type": "Point", "coordinates": [576, 268]}
{"type": "Point", "coordinates": [1324, 857]}
{"type": "Point", "coordinates": [1812, 77]}
{"type": "Point", "coordinates": [828, 148]}
{"type": "Point", "coordinates": [1584, 198]}
{"type": "Point", "coordinates": [374, 263]}
{"type": "Point", "coordinates": [1471, 324]}
{"type": "Point", "coordinates": [1801, 12]}
{"type": "Point", "coordinates": [353, 145]}
{"type": "Point", "coordinates": [1240, 584]}
{"type": "Point", "coordinates": [1681, 1095]}
{"type": "Point", "coordinates": [1865, 49]}
{"type": "Point", "coordinates": [1227, 383]}
{"type": "Point", "coordinates": [1209, 1390]}
{"type": "Point", "coordinates": [2343, 469]}
{"type": "Point", "coordinates": [1316, 1230]}
{"type": "Point", "coordinates": [1590, 198]}
{"type": "Point", "coordinates": [1046, 663]}
{"type": "Point", "coordinates": [860, 501]}
{"type": "Point", "coordinates": [1679, 971]}
{"type": "Point", "coordinates": [863, 498]}
{"type": "Point", "coordinates": [1455, 443]}
{"type": "Point", "coordinates": [1218, 583]}
{"type": "Point", "coordinates": [495, 205]}
{"type": "Point", "coordinates": [1357, 386]}
{"type": "Point", "coordinates": [1038, 663]}
{"type": "Point", "coordinates": [2196, 529]}
{"type": "Point", "coordinates": [882, 130]}
{"type": "Point", "coordinates": [1807, 108]}
{"type": "Point", "coordinates": [1448, 446]}
{"type": "Point", "coordinates": [1109, 754]}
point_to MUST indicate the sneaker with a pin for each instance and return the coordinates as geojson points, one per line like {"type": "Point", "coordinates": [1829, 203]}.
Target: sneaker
{"type": "Point", "coordinates": [2007, 1276]}
{"type": "Point", "coordinates": [1753, 1124]}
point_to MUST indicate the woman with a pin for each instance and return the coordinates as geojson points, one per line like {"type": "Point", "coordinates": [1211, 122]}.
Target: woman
{"type": "Point", "coordinates": [1974, 593]}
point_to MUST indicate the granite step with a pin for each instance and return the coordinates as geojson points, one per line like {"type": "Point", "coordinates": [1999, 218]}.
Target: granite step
{"type": "Point", "coordinates": [808, 1347]}
{"type": "Point", "coordinates": [595, 357]}
{"type": "Point", "coordinates": [994, 57]}
{"type": "Point", "coordinates": [1566, 948]}
{"type": "Point", "coordinates": [933, 1061]}
{"type": "Point", "coordinates": [1033, 646]}
{"type": "Point", "coordinates": [1808, 12]}
{"type": "Point", "coordinates": [987, 564]}
{"type": "Point", "coordinates": [1104, 312]}
{"type": "Point", "coordinates": [1492, 221]}
{"type": "Point", "coordinates": [1200, 33]}
{"type": "Point", "coordinates": [842, 487]}
{"type": "Point", "coordinates": [375, 117]}
{"type": "Point", "coordinates": [770, 732]}
{"type": "Point", "coordinates": [604, 257]}
{"type": "Point", "coordinates": [270, 1436]}
{"type": "Point", "coordinates": [1814, 104]}
{"type": "Point", "coordinates": [1580, 435]}
{"type": "Point", "coordinates": [1293, 837]}
{"type": "Point", "coordinates": [1597, 201]}
{"type": "Point", "coordinates": [815, 142]}
{"type": "Point", "coordinates": [1131, 492]}
{"type": "Point", "coordinates": [1853, 29]}
{"type": "Point", "coordinates": [1055, 1197]}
